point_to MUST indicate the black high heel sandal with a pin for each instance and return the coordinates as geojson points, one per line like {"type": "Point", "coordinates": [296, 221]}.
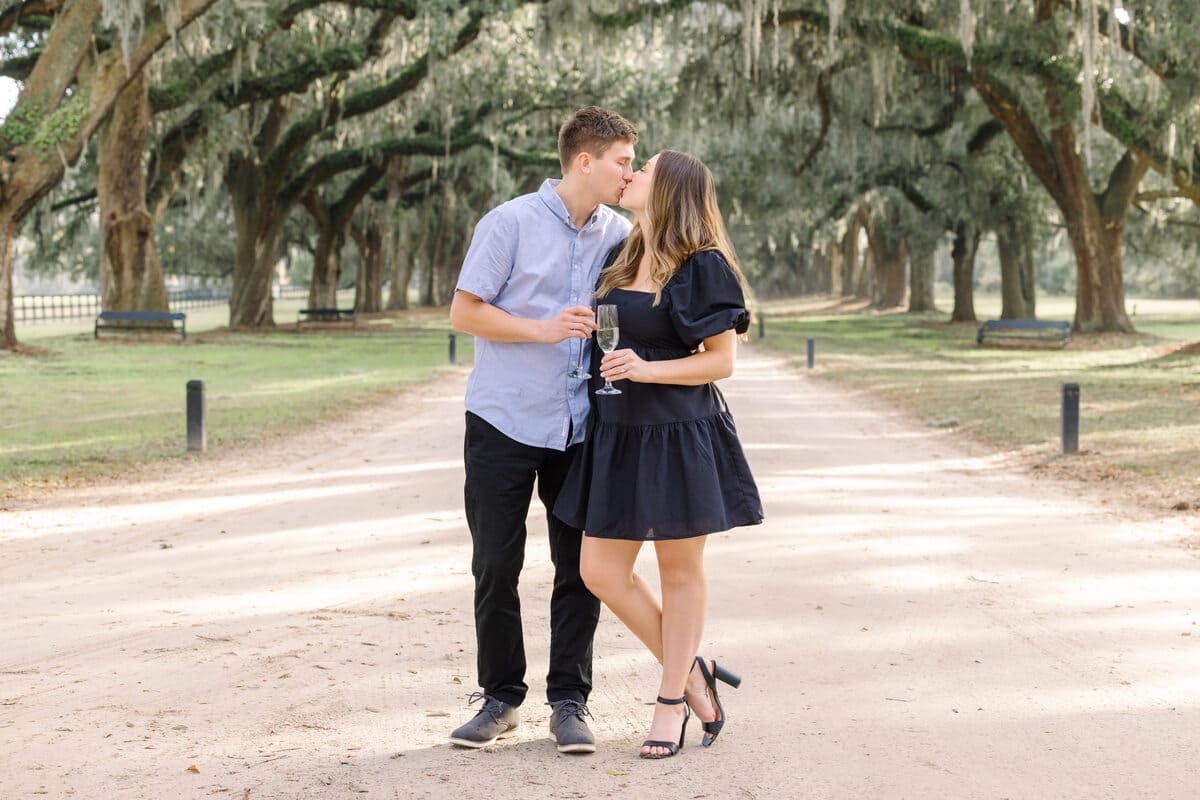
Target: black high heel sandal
{"type": "Point", "coordinates": [719, 673]}
{"type": "Point", "coordinates": [671, 747]}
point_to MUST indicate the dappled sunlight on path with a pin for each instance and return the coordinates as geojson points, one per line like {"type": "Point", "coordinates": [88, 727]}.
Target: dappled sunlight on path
{"type": "Point", "coordinates": [914, 619]}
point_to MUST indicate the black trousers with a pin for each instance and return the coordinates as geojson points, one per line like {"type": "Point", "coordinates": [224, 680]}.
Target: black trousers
{"type": "Point", "coordinates": [499, 488]}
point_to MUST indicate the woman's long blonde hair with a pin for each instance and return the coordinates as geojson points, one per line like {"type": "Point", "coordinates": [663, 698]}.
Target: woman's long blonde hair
{"type": "Point", "coordinates": [684, 220]}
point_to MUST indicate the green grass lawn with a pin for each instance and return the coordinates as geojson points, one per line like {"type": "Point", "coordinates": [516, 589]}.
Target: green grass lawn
{"type": "Point", "coordinates": [78, 408]}
{"type": "Point", "coordinates": [1140, 394]}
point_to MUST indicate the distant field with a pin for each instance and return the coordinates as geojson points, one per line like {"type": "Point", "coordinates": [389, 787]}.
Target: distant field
{"type": "Point", "coordinates": [1140, 394]}
{"type": "Point", "coordinates": [80, 407]}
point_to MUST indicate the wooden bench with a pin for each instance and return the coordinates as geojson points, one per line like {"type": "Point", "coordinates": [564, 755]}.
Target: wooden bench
{"type": "Point", "coordinates": [325, 315]}
{"type": "Point", "coordinates": [140, 321]}
{"type": "Point", "coordinates": [1033, 329]}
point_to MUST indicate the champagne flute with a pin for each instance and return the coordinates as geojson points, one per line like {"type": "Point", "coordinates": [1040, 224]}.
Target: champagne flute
{"type": "Point", "coordinates": [579, 371]}
{"type": "Point", "coordinates": [607, 336]}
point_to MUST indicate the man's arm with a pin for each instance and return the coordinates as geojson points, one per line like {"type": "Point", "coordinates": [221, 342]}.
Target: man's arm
{"type": "Point", "coordinates": [471, 314]}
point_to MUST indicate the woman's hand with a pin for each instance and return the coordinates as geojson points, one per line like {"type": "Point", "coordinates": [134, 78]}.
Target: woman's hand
{"type": "Point", "coordinates": [625, 365]}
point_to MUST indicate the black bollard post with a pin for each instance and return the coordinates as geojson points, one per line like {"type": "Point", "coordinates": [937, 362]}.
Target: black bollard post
{"type": "Point", "coordinates": [453, 348]}
{"type": "Point", "coordinates": [812, 352]}
{"type": "Point", "coordinates": [197, 438]}
{"type": "Point", "coordinates": [1070, 418]}
{"type": "Point", "coordinates": [762, 326]}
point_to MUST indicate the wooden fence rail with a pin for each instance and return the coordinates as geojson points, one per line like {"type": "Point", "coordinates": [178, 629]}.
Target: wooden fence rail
{"type": "Point", "coordinates": [85, 305]}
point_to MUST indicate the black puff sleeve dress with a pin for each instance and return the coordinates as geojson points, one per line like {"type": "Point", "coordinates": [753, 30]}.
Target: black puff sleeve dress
{"type": "Point", "coordinates": [663, 461]}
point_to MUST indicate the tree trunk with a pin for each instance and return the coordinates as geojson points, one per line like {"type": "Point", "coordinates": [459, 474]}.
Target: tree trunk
{"type": "Point", "coordinates": [131, 277]}
{"type": "Point", "coordinates": [258, 214]}
{"type": "Point", "coordinates": [8, 331]}
{"type": "Point", "coordinates": [446, 276]}
{"type": "Point", "coordinates": [1017, 290]}
{"type": "Point", "coordinates": [889, 251]}
{"type": "Point", "coordinates": [921, 274]}
{"type": "Point", "coordinates": [966, 245]}
{"type": "Point", "coordinates": [257, 252]}
{"type": "Point", "coordinates": [1096, 239]}
{"type": "Point", "coordinates": [837, 268]}
{"type": "Point", "coordinates": [397, 237]}
{"type": "Point", "coordinates": [327, 258]}
{"type": "Point", "coordinates": [437, 254]}
{"type": "Point", "coordinates": [421, 254]}
{"type": "Point", "coordinates": [865, 287]}
{"type": "Point", "coordinates": [368, 295]}
{"type": "Point", "coordinates": [443, 269]}
{"type": "Point", "coordinates": [400, 265]}
{"type": "Point", "coordinates": [825, 265]}
{"type": "Point", "coordinates": [854, 266]}
{"type": "Point", "coordinates": [327, 269]}
{"type": "Point", "coordinates": [819, 266]}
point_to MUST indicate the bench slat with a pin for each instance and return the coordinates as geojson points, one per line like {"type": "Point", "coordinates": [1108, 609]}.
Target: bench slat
{"type": "Point", "coordinates": [326, 315]}
{"type": "Point", "coordinates": [1023, 329]}
{"type": "Point", "coordinates": [1026, 324]}
{"type": "Point", "coordinates": [142, 316]}
{"type": "Point", "coordinates": [114, 319]}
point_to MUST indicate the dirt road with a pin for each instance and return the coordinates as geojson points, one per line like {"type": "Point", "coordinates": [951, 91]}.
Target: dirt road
{"type": "Point", "coordinates": [913, 621]}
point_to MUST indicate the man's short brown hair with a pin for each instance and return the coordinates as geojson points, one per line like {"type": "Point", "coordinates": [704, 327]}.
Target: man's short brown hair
{"type": "Point", "coordinates": [592, 129]}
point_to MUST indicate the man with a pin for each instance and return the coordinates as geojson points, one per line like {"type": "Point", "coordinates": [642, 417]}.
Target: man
{"type": "Point", "coordinates": [525, 294]}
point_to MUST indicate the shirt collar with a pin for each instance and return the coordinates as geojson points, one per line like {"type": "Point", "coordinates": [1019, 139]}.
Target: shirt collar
{"type": "Point", "coordinates": [558, 207]}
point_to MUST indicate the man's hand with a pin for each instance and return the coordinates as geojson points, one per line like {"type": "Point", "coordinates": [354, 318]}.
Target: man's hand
{"type": "Point", "coordinates": [576, 322]}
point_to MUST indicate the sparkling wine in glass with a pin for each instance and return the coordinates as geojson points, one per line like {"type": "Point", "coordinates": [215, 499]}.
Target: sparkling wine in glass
{"type": "Point", "coordinates": [607, 336]}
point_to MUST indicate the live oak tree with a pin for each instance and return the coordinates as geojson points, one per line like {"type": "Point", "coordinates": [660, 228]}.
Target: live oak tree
{"type": "Point", "coordinates": [1055, 75]}
{"type": "Point", "coordinates": [76, 72]}
{"type": "Point", "coordinates": [1060, 77]}
{"type": "Point", "coordinates": [982, 103]}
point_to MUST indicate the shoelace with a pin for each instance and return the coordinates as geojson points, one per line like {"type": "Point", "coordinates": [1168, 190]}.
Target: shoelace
{"type": "Point", "coordinates": [571, 708]}
{"type": "Point", "coordinates": [491, 705]}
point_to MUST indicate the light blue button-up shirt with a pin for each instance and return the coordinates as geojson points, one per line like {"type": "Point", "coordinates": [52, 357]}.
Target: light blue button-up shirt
{"type": "Point", "coordinates": [529, 259]}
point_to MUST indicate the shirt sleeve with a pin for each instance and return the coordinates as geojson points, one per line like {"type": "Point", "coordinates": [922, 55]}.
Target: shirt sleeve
{"type": "Point", "coordinates": [706, 299]}
{"type": "Point", "coordinates": [490, 258]}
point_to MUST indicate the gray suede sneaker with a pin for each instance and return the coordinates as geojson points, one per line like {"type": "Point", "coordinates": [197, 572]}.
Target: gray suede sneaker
{"type": "Point", "coordinates": [494, 721]}
{"type": "Point", "coordinates": [569, 729]}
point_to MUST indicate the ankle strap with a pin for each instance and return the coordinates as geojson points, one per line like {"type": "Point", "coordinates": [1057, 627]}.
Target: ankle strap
{"type": "Point", "coordinates": [671, 702]}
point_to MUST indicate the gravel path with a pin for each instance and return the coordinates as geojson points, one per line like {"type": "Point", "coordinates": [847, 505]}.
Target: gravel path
{"type": "Point", "coordinates": [913, 621]}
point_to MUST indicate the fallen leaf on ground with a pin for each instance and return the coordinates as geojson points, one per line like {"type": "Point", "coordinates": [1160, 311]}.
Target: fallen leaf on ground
{"type": "Point", "coordinates": [192, 768]}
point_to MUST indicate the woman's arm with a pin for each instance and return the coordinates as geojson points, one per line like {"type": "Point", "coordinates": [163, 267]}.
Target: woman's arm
{"type": "Point", "coordinates": [712, 363]}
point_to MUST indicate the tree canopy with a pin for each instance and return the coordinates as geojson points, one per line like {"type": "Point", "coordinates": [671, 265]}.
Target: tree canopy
{"type": "Point", "coordinates": [861, 147]}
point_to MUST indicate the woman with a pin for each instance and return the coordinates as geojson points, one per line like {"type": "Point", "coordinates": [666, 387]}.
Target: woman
{"type": "Point", "coordinates": [662, 461]}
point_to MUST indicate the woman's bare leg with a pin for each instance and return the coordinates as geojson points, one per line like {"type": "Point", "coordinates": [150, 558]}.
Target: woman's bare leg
{"type": "Point", "coordinates": [607, 568]}
{"type": "Point", "coordinates": [684, 604]}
